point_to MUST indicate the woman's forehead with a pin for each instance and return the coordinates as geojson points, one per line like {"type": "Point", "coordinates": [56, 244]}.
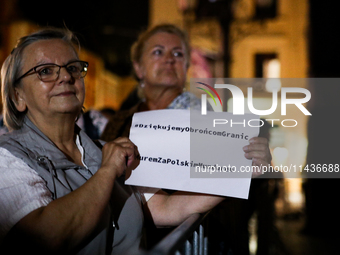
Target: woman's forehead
{"type": "Point", "coordinates": [164, 39]}
{"type": "Point", "coordinates": [48, 50]}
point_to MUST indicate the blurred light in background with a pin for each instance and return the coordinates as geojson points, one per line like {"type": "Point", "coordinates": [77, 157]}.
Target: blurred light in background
{"type": "Point", "coordinates": [272, 69]}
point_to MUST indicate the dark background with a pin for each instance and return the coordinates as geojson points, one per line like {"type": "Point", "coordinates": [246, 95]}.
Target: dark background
{"type": "Point", "coordinates": [107, 28]}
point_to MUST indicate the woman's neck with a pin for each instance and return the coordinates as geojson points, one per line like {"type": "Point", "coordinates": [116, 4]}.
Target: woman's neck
{"type": "Point", "coordinates": [58, 128]}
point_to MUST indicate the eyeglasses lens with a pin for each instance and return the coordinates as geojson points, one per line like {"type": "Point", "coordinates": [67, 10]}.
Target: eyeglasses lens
{"type": "Point", "coordinates": [47, 73]}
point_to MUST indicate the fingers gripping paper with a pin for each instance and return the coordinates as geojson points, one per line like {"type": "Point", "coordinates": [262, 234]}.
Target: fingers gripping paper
{"type": "Point", "coordinates": [184, 150]}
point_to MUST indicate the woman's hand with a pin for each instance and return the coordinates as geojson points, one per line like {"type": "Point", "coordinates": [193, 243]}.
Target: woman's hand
{"type": "Point", "coordinates": [119, 155]}
{"type": "Point", "coordinates": [258, 151]}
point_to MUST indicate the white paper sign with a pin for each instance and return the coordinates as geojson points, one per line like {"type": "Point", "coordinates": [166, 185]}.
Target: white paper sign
{"type": "Point", "coordinates": [184, 150]}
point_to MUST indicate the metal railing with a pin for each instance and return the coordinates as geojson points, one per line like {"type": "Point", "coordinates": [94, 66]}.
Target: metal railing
{"type": "Point", "coordinates": [189, 238]}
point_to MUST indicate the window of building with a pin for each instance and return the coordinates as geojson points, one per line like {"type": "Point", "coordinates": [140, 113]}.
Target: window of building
{"type": "Point", "coordinates": [265, 9]}
{"type": "Point", "coordinates": [267, 65]}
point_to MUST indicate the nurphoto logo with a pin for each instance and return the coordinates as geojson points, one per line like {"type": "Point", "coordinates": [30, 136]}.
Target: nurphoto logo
{"type": "Point", "coordinates": [239, 103]}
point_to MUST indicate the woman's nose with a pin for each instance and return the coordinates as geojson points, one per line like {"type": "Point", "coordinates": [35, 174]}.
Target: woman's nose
{"type": "Point", "coordinates": [65, 76]}
{"type": "Point", "coordinates": [169, 57]}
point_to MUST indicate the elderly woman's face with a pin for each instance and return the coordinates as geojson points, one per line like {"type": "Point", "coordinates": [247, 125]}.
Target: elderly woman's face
{"type": "Point", "coordinates": [163, 61]}
{"type": "Point", "coordinates": [42, 99]}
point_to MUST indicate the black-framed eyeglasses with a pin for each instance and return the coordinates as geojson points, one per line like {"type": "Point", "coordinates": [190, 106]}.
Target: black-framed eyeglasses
{"type": "Point", "coordinates": [50, 72]}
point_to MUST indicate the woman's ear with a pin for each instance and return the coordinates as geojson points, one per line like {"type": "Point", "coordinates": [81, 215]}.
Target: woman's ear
{"type": "Point", "coordinates": [20, 102]}
{"type": "Point", "coordinates": [138, 70]}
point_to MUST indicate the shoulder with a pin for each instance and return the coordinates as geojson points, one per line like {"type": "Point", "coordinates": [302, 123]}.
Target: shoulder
{"type": "Point", "coordinates": [14, 142]}
{"type": "Point", "coordinates": [7, 159]}
{"type": "Point", "coordinates": [22, 191]}
{"type": "Point", "coordinates": [12, 166]}
{"type": "Point", "coordinates": [186, 100]}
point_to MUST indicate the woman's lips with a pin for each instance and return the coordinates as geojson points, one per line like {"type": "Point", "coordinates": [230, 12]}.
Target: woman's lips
{"type": "Point", "coordinates": [66, 93]}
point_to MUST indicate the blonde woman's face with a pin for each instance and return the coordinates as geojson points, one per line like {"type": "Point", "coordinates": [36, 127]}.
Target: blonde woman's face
{"type": "Point", "coordinates": [163, 62]}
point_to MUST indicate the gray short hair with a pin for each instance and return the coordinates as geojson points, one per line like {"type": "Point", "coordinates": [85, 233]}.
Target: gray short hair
{"type": "Point", "coordinates": [12, 66]}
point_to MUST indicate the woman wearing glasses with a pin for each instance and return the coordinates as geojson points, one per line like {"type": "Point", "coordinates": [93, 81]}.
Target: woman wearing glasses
{"type": "Point", "coordinates": [59, 192]}
{"type": "Point", "coordinates": [55, 183]}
